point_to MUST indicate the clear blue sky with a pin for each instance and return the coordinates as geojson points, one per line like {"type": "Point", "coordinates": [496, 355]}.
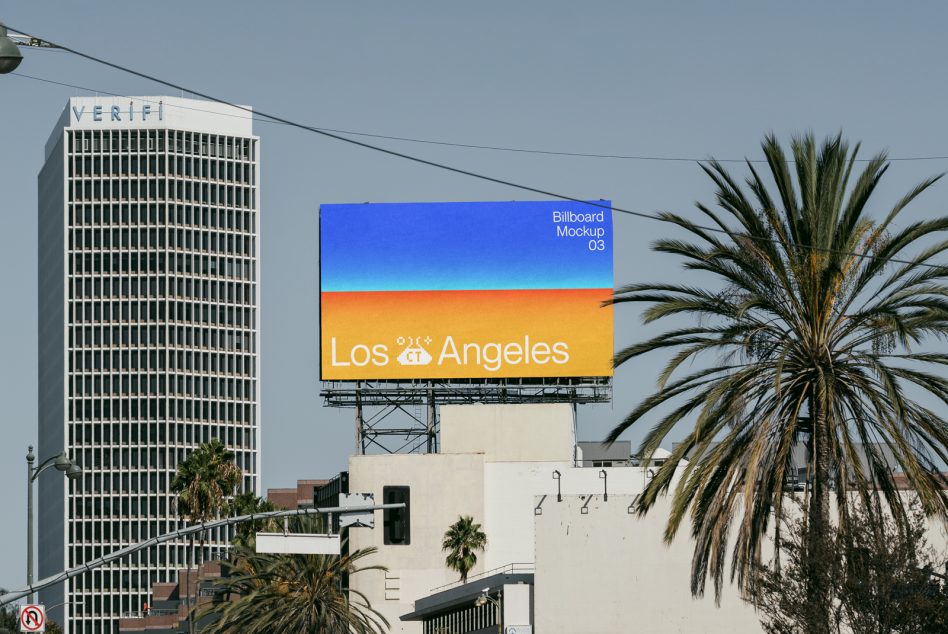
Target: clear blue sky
{"type": "Point", "coordinates": [662, 78]}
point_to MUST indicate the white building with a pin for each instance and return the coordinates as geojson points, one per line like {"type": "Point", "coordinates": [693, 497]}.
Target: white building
{"type": "Point", "coordinates": [564, 553]}
{"type": "Point", "coordinates": [148, 331]}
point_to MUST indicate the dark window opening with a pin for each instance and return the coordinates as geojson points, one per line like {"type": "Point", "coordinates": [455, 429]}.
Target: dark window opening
{"type": "Point", "coordinates": [397, 522]}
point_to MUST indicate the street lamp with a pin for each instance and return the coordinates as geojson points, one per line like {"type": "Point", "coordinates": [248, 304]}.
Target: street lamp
{"type": "Point", "coordinates": [62, 463]}
{"type": "Point", "coordinates": [10, 56]}
{"type": "Point", "coordinates": [483, 600]}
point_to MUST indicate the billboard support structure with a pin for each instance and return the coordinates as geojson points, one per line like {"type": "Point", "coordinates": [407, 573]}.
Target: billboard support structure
{"type": "Point", "coordinates": [402, 416]}
{"type": "Point", "coordinates": [432, 413]}
{"type": "Point", "coordinates": [360, 426]}
{"type": "Point", "coordinates": [427, 304]}
{"type": "Point", "coordinates": [384, 421]}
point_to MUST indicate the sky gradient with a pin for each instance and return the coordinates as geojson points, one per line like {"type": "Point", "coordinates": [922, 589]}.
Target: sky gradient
{"type": "Point", "coordinates": [462, 246]}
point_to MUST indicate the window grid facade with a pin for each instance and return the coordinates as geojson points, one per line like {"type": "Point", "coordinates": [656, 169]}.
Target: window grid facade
{"type": "Point", "coordinates": [161, 344]}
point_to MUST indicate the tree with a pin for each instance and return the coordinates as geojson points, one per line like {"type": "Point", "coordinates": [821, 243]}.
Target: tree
{"type": "Point", "coordinates": [8, 617]}
{"type": "Point", "coordinates": [203, 482]}
{"type": "Point", "coordinates": [810, 324]}
{"type": "Point", "coordinates": [52, 627]}
{"type": "Point", "coordinates": [462, 540]}
{"type": "Point", "coordinates": [883, 577]}
{"type": "Point", "coordinates": [248, 503]}
{"type": "Point", "coordinates": [293, 593]}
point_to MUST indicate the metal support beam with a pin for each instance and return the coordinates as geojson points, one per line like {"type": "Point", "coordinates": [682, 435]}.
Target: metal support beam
{"type": "Point", "coordinates": [432, 413]}
{"type": "Point", "coordinates": [463, 392]}
{"type": "Point", "coordinates": [178, 534]}
{"type": "Point", "coordinates": [402, 416]}
{"type": "Point", "coordinates": [359, 422]}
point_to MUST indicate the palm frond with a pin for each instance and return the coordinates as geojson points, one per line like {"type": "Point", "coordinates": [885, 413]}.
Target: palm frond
{"type": "Point", "coordinates": [812, 339]}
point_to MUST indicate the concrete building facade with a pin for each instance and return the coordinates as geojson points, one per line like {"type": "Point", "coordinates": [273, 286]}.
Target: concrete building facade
{"type": "Point", "coordinates": [502, 465]}
{"type": "Point", "coordinates": [148, 332]}
{"type": "Point", "coordinates": [565, 552]}
{"type": "Point", "coordinates": [299, 497]}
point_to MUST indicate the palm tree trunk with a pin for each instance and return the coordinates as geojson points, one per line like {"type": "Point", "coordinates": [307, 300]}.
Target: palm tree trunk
{"type": "Point", "coordinates": [818, 522]}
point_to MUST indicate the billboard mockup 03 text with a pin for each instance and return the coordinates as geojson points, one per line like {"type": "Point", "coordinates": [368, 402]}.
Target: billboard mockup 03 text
{"type": "Point", "coordinates": [474, 290]}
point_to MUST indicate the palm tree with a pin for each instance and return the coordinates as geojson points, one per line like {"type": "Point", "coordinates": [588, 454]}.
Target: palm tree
{"type": "Point", "coordinates": [816, 332]}
{"type": "Point", "coordinates": [462, 540]}
{"type": "Point", "coordinates": [293, 593]}
{"type": "Point", "coordinates": [203, 482]}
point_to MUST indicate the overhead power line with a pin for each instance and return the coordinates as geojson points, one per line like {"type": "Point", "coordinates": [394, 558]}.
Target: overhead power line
{"type": "Point", "coordinates": [475, 146]}
{"type": "Point", "coordinates": [442, 166]}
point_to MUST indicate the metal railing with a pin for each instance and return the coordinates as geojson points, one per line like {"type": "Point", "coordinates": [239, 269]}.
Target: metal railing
{"type": "Point", "coordinates": [509, 569]}
{"type": "Point", "coordinates": [121, 553]}
{"type": "Point", "coordinates": [151, 612]}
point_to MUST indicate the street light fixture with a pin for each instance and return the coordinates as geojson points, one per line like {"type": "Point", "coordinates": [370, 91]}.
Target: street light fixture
{"type": "Point", "coordinates": [60, 462]}
{"type": "Point", "coordinates": [483, 599]}
{"type": "Point", "coordinates": [10, 56]}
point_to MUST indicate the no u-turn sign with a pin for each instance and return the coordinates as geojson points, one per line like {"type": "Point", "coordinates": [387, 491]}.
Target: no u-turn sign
{"type": "Point", "coordinates": [33, 618]}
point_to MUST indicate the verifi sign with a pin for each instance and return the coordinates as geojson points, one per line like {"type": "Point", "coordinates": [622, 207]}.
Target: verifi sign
{"type": "Point", "coordinates": [465, 290]}
{"type": "Point", "coordinates": [145, 112]}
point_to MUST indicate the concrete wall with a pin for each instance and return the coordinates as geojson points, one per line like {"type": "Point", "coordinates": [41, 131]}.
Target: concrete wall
{"type": "Point", "coordinates": [494, 460]}
{"type": "Point", "coordinates": [509, 492]}
{"type": "Point", "coordinates": [609, 572]}
{"type": "Point", "coordinates": [442, 488]}
{"type": "Point", "coordinates": [518, 604]}
{"type": "Point", "coordinates": [510, 497]}
{"type": "Point", "coordinates": [509, 433]}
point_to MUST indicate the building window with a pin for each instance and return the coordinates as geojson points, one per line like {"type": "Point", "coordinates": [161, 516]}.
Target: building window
{"type": "Point", "coordinates": [397, 522]}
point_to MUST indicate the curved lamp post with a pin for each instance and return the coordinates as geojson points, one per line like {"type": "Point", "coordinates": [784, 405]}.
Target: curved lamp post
{"type": "Point", "coordinates": [62, 463]}
{"type": "Point", "coordinates": [10, 56]}
{"type": "Point", "coordinates": [483, 600]}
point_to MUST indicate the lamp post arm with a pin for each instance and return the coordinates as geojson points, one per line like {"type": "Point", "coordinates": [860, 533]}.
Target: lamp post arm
{"type": "Point", "coordinates": [497, 609]}
{"type": "Point", "coordinates": [46, 464]}
{"type": "Point", "coordinates": [498, 616]}
{"type": "Point", "coordinates": [182, 532]}
{"type": "Point", "coordinates": [26, 40]}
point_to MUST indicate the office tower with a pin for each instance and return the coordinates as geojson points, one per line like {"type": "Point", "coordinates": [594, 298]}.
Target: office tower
{"type": "Point", "coordinates": [148, 333]}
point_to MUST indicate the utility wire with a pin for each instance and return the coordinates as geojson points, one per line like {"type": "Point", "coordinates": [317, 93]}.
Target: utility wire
{"type": "Point", "coordinates": [474, 146]}
{"type": "Point", "coordinates": [409, 139]}
{"type": "Point", "coordinates": [444, 166]}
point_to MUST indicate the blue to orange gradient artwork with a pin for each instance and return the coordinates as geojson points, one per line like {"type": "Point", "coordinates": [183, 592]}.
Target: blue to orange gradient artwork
{"type": "Point", "coordinates": [465, 290]}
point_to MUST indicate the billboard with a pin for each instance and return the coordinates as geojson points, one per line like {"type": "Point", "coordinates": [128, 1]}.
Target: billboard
{"type": "Point", "coordinates": [474, 290]}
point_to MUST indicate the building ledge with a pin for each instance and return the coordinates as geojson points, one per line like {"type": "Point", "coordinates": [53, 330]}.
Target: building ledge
{"type": "Point", "coordinates": [465, 594]}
